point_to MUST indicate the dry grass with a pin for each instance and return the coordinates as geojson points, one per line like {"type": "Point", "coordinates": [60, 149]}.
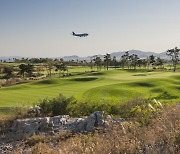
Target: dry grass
{"type": "Point", "coordinates": [5, 121]}
{"type": "Point", "coordinates": [9, 82]}
{"type": "Point", "coordinates": [162, 135]}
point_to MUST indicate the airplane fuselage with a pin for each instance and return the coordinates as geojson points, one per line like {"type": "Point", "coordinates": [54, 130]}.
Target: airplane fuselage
{"type": "Point", "coordinates": [80, 35]}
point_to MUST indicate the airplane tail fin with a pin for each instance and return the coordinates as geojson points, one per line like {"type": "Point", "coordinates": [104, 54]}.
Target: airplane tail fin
{"type": "Point", "coordinates": [73, 33]}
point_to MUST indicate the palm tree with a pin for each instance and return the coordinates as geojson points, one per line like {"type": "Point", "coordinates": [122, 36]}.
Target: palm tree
{"type": "Point", "coordinates": [152, 60]}
{"type": "Point", "coordinates": [91, 63]}
{"type": "Point", "coordinates": [107, 59]}
{"type": "Point", "coordinates": [133, 59]}
{"type": "Point", "coordinates": [97, 61]}
{"type": "Point", "coordinates": [114, 61]}
{"type": "Point", "coordinates": [49, 66]}
{"type": "Point", "coordinates": [159, 62]}
{"type": "Point", "coordinates": [174, 55]}
{"type": "Point", "coordinates": [125, 59]}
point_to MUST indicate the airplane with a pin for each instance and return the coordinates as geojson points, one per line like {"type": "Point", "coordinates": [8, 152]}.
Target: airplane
{"type": "Point", "coordinates": [80, 35]}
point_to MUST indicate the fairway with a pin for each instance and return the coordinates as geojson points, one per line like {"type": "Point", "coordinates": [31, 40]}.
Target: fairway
{"type": "Point", "coordinates": [85, 85]}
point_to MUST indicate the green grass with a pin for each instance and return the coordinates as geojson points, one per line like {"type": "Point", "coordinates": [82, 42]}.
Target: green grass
{"type": "Point", "coordinates": [86, 85]}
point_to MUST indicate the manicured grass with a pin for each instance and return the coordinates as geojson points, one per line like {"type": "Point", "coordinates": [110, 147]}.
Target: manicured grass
{"type": "Point", "coordinates": [85, 85]}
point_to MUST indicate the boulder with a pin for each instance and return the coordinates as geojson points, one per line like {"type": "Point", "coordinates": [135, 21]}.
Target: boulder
{"type": "Point", "coordinates": [31, 126]}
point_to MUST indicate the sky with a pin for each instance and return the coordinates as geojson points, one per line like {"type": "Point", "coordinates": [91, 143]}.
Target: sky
{"type": "Point", "coordinates": [42, 28]}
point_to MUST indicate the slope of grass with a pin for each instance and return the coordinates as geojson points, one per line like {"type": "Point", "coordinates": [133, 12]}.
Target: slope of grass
{"type": "Point", "coordinates": [112, 84]}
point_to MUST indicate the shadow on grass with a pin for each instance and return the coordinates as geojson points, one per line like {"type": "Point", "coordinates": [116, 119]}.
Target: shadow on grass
{"type": "Point", "coordinates": [140, 75]}
{"type": "Point", "coordinates": [138, 70]}
{"type": "Point", "coordinates": [165, 95]}
{"type": "Point", "coordinates": [142, 84]}
{"type": "Point", "coordinates": [46, 82]}
{"type": "Point", "coordinates": [84, 79]}
{"type": "Point", "coordinates": [157, 90]}
{"type": "Point", "coordinates": [96, 73]}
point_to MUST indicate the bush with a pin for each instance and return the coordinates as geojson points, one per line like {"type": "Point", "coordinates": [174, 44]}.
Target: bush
{"type": "Point", "coordinates": [87, 107]}
{"type": "Point", "coordinates": [56, 106]}
{"type": "Point", "coordinates": [141, 110]}
{"type": "Point", "coordinates": [62, 106]}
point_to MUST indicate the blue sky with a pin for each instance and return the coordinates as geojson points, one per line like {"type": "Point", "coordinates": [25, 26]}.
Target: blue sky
{"type": "Point", "coordinates": [43, 27]}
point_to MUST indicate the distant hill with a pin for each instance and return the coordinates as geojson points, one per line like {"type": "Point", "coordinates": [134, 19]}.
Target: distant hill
{"type": "Point", "coordinates": [118, 55]}
{"type": "Point", "coordinates": [141, 54]}
{"type": "Point", "coordinates": [9, 58]}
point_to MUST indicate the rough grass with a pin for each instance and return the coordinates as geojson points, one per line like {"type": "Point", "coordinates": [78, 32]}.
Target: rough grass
{"type": "Point", "coordinates": [107, 85]}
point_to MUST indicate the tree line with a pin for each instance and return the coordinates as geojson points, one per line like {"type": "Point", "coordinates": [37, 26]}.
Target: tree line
{"type": "Point", "coordinates": [28, 67]}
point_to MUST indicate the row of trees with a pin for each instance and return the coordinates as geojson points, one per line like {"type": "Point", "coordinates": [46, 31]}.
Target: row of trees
{"type": "Point", "coordinates": [132, 61]}
{"type": "Point", "coordinates": [29, 70]}
{"type": "Point", "coordinates": [9, 71]}
{"type": "Point", "coordinates": [127, 60]}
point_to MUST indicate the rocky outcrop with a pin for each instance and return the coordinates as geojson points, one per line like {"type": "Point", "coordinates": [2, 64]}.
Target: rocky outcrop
{"type": "Point", "coordinates": [52, 125]}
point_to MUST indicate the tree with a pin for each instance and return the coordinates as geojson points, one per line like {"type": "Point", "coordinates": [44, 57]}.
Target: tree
{"type": "Point", "coordinates": [125, 60]}
{"type": "Point", "coordinates": [39, 69]}
{"type": "Point", "coordinates": [114, 62]}
{"type": "Point", "coordinates": [159, 62]}
{"type": "Point", "coordinates": [49, 66]}
{"type": "Point", "coordinates": [22, 68]}
{"type": "Point", "coordinates": [29, 69]}
{"type": "Point", "coordinates": [174, 55]}
{"type": "Point", "coordinates": [8, 71]}
{"type": "Point", "coordinates": [107, 59]}
{"type": "Point", "coordinates": [26, 69]}
{"type": "Point", "coordinates": [91, 62]}
{"type": "Point", "coordinates": [143, 62]}
{"type": "Point", "coordinates": [152, 60]}
{"type": "Point", "coordinates": [1, 68]}
{"type": "Point", "coordinates": [133, 59]}
{"type": "Point", "coordinates": [97, 61]}
{"type": "Point", "coordinates": [61, 67]}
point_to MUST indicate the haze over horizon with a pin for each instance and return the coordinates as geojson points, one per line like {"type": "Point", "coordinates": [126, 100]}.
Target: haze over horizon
{"type": "Point", "coordinates": [43, 28]}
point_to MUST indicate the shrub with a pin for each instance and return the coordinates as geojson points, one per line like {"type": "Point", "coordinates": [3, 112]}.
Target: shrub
{"type": "Point", "coordinates": [87, 107]}
{"type": "Point", "coordinates": [142, 110]}
{"type": "Point", "coordinates": [139, 109]}
{"type": "Point", "coordinates": [55, 106]}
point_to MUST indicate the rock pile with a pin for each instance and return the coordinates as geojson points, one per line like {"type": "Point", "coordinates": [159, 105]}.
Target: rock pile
{"type": "Point", "coordinates": [7, 148]}
{"type": "Point", "coordinates": [52, 125]}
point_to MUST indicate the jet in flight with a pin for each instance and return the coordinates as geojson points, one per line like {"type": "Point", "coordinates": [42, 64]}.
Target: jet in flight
{"type": "Point", "coordinates": [80, 35]}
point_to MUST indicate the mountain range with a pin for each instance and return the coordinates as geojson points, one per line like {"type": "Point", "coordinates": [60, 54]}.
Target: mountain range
{"type": "Point", "coordinates": [118, 55]}
{"type": "Point", "coordinates": [141, 54]}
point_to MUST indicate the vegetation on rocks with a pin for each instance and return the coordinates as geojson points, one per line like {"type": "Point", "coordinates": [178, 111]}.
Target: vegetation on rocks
{"type": "Point", "coordinates": [160, 135]}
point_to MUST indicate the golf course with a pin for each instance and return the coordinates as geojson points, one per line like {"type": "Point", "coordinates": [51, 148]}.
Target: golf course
{"type": "Point", "coordinates": [84, 84]}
